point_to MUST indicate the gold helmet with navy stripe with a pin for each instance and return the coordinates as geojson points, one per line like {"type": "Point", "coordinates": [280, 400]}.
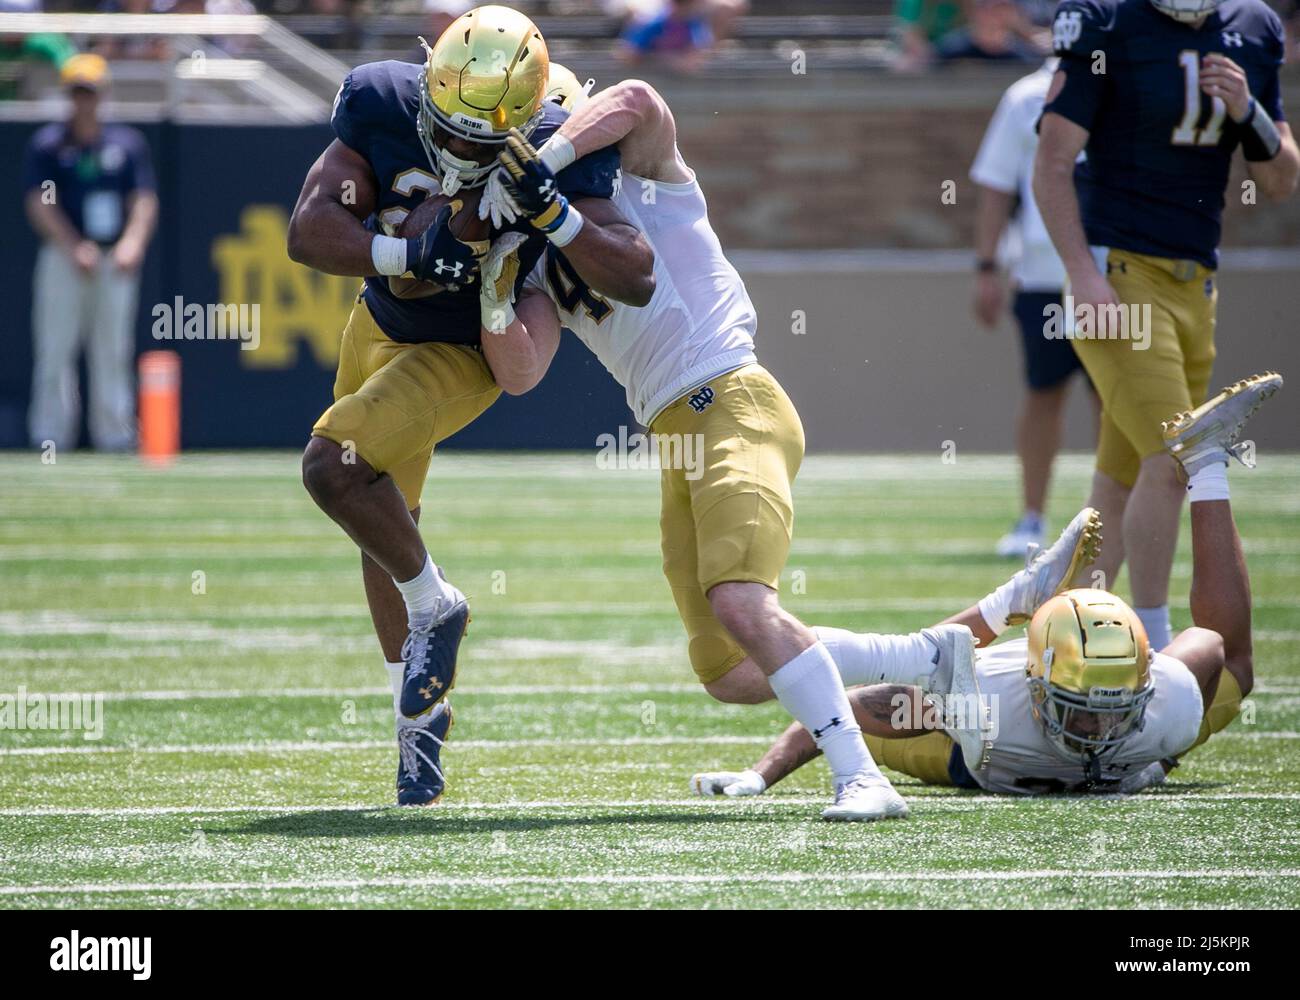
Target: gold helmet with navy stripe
{"type": "Point", "coordinates": [1089, 672]}
{"type": "Point", "coordinates": [565, 89]}
{"type": "Point", "coordinates": [485, 75]}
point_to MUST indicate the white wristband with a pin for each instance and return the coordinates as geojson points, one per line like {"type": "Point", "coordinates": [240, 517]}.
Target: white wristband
{"type": "Point", "coordinates": [558, 153]}
{"type": "Point", "coordinates": [388, 254]}
{"type": "Point", "coordinates": [569, 229]}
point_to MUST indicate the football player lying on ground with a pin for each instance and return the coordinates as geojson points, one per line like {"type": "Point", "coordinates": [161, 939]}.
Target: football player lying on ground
{"type": "Point", "coordinates": [411, 373]}
{"type": "Point", "coordinates": [1082, 704]}
{"type": "Point", "coordinates": [687, 361]}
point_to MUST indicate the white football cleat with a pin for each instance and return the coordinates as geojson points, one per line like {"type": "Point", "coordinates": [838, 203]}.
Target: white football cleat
{"type": "Point", "coordinates": [1051, 571]}
{"type": "Point", "coordinates": [732, 783]}
{"type": "Point", "coordinates": [1209, 433]}
{"type": "Point", "coordinates": [1016, 542]}
{"type": "Point", "coordinates": [955, 689]}
{"type": "Point", "coordinates": [863, 800]}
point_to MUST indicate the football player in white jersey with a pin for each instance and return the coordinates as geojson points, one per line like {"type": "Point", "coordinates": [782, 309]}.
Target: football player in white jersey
{"type": "Point", "coordinates": [687, 361]}
{"type": "Point", "coordinates": [1081, 703]}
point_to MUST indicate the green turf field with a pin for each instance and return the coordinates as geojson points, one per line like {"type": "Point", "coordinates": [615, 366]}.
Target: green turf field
{"type": "Point", "coordinates": [247, 756]}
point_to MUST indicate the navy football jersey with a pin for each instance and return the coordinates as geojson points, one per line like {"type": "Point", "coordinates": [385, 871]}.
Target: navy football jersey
{"type": "Point", "coordinates": [375, 114]}
{"type": "Point", "coordinates": [1159, 150]}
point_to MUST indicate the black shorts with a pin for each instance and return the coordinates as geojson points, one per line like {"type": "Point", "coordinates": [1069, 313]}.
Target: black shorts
{"type": "Point", "coordinates": [1047, 362]}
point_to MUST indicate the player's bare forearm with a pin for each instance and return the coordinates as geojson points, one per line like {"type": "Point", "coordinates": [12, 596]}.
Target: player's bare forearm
{"type": "Point", "coordinates": [873, 708]}
{"type": "Point", "coordinates": [611, 255]}
{"type": "Point", "coordinates": [1059, 144]}
{"type": "Point", "coordinates": [633, 116]}
{"type": "Point", "coordinates": [520, 354]}
{"type": "Point", "coordinates": [1277, 178]}
{"type": "Point", "coordinates": [326, 230]}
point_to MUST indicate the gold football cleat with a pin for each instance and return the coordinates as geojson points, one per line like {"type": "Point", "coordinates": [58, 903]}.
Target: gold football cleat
{"type": "Point", "coordinates": [1210, 433]}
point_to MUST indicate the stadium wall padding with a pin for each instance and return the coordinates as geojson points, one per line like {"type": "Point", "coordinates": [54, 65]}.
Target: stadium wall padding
{"type": "Point", "coordinates": [888, 358]}
{"type": "Point", "coordinates": [226, 194]}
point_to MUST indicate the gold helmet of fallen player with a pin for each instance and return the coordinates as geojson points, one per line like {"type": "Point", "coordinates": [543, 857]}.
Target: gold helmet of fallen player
{"type": "Point", "coordinates": [1089, 672]}
{"type": "Point", "coordinates": [1186, 11]}
{"type": "Point", "coordinates": [485, 75]}
{"type": "Point", "coordinates": [564, 88]}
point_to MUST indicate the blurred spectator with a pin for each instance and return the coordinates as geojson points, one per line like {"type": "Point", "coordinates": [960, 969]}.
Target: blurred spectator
{"type": "Point", "coordinates": [919, 26]}
{"type": "Point", "coordinates": [680, 33]}
{"type": "Point", "coordinates": [131, 46]}
{"type": "Point", "coordinates": [90, 196]}
{"type": "Point", "coordinates": [439, 14]}
{"type": "Point", "coordinates": [17, 52]}
{"type": "Point", "coordinates": [995, 30]}
{"type": "Point", "coordinates": [1003, 174]}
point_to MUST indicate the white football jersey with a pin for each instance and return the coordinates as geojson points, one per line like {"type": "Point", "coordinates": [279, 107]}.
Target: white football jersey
{"type": "Point", "coordinates": [698, 325]}
{"type": "Point", "coordinates": [1024, 761]}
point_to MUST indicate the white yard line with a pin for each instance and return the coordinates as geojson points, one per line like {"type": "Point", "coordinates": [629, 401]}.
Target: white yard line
{"type": "Point", "coordinates": [307, 746]}
{"type": "Point", "coordinates": [922, 802]}
{"type": "Point", "coordinates": [331, 746]}
{"type": "Point", "coordinates": [748, 878]}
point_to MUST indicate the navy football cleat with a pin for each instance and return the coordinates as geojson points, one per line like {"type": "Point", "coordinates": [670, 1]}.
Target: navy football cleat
{"type": "Point", "coordinates": [429, 654]}
{"type": "Point", "coordinates": [420, 780]}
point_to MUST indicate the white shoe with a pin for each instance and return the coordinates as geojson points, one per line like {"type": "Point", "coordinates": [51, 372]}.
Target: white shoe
{"type": "Point", "coordinates": [1209, 433]}
{"type": "Point", "coordinates": [1016, 542]}
{"type": "Point", "coordinates": [955, 689]}
{"type": "Point", "coordinates": [1051, 571]}
{"type": "Point", "coordinates": [862, 800]}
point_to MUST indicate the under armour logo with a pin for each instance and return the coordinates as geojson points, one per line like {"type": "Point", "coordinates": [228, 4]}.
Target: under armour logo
{"type": "Point", "coordinates": [1232, 39]}
{"type": "Point", "coordinates": [452, 269]}
{"type": "Point", "coordinates": [547, 190]}
{"type": "Point", "coordinates": [701, 399]}
{"type": "Point", "coordinates": [427, 691]}
{"type": "Point", "coordinates": [818, 733]}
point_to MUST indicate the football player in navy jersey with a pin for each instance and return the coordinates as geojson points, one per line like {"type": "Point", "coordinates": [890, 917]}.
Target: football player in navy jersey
{"type": "Point", "coordinates": [410, 372]}
{"type": "Point", "coordinates": [1159, 93]}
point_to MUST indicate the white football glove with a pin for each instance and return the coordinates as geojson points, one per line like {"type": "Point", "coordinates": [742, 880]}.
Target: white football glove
{"type": "Point", "coordinates": [496, 201]}
{"type": "Point", "coordinates": [498, 270]}
{"type": "Point", "coordinates": [1149, 777]}
{"type": "Point", "coordinates": [731, 783]}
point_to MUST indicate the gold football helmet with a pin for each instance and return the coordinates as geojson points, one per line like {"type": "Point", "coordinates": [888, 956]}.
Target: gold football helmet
{"type": "Point", "coordinates": [485, 75]}
{"type": "Point", "coordinates": [1089, 672]}
{"type": "Point", "coordinates": [564, 89]}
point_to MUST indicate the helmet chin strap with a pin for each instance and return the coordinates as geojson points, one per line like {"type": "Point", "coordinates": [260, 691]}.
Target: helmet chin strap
{"type": "Point", "coordinates": [452, 167]}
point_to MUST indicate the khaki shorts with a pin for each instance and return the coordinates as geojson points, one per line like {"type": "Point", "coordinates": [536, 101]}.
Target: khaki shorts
{"type": "Point", "coordinates": [730, 517]}
{"type": "Point", "coordinates": [394, 402]}
{"type": "Point", "coordinates": [1140, 389]}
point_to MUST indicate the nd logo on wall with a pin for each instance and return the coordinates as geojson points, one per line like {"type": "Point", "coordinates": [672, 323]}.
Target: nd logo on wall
{"type": "Point", "coordinates": [297, 303]}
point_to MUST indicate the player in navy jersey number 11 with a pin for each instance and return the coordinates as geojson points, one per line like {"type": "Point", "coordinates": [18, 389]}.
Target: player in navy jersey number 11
{"type": "Point", "coordinates": [1160, 94]}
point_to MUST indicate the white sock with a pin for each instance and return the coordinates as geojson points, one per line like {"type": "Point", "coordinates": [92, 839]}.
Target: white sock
{"type": "Point", "coordinates": [1156, 622]}
{"type": "Point", "coordinates": [868, 658]}
{"type": "Point", "coordinates": [1209, 483]}
{"type": "Point", "coordinates": [425, 593]}
{"type": "Point", "coordinates": [810, 689]}
{"type": "Point", "coordinates": [995, 607]}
